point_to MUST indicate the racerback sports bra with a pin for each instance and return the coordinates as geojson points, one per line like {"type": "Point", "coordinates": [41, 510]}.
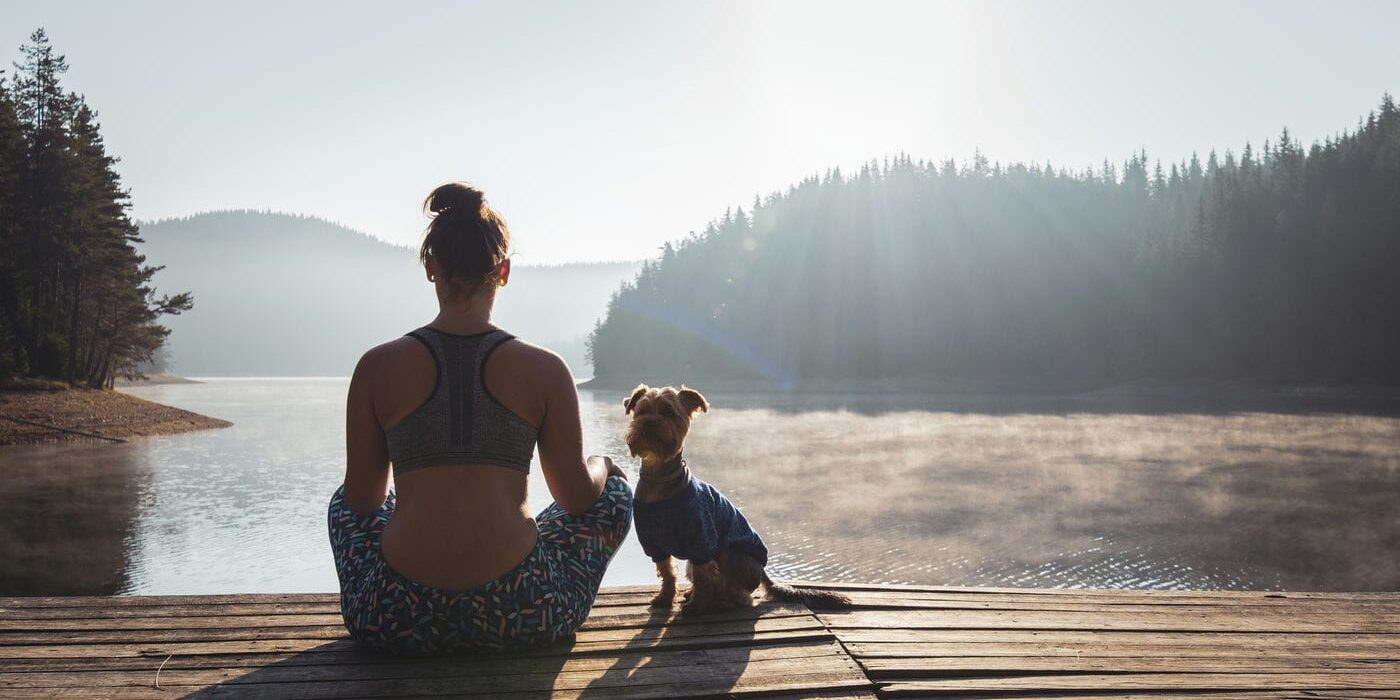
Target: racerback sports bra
{"type": "Point", "coordinates": [461, 422]}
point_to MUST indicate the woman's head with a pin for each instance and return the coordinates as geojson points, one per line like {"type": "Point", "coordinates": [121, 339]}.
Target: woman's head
{"type": "Point", "coordinates": [467, 245]}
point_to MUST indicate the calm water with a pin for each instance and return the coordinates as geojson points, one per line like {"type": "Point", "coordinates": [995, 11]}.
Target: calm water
{"type": "Point", "coordinates": [914, 489]}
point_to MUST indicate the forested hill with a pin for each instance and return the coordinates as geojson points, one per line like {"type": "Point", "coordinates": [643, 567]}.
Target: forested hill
{"type": "Point", "coordinates": [1279, 263]}
{"type": "Point", "coordinates": [285, 295]}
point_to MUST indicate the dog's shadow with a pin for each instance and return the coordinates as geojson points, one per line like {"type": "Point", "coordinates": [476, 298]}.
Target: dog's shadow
{"type": "Point", "coordinates": [708, 653]}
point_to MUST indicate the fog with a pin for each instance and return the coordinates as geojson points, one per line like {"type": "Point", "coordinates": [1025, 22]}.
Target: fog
{"type": "Point", "coordinates": [279, 296]}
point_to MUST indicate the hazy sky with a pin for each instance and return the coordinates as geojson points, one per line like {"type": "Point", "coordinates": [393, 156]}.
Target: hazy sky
{"type": "Point", "coordinates": [601, 130]}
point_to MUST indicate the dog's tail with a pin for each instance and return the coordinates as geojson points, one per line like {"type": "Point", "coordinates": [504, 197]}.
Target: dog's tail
{"type": "Point", "coordinates": [815, 598]}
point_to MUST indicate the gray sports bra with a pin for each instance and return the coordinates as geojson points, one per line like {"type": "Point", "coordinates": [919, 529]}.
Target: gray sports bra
{"type": "Point", "coordinates": [461, 422]}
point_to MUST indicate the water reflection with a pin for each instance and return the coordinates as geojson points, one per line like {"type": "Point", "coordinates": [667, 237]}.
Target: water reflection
{"type": "Point", "coordinates": [68, 518]}
{"type": "Point", "coordinates": [896, 489]}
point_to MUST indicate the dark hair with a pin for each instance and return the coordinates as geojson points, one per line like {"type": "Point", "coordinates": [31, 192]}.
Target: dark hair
{"type": "Point", "coordinates": [467, 239]}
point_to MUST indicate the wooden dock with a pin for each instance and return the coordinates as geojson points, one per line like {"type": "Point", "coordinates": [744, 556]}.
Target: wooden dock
{"type": "Point", "coordinates": [898, 642]}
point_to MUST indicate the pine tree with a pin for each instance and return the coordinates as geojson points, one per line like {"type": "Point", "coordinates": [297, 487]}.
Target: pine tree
{"type": "Point", "coordinates": [13, 356]}
{"type": "Point", "coordinates": [78, 301]}
{"type": "Point", "coordinates": [44, 111]}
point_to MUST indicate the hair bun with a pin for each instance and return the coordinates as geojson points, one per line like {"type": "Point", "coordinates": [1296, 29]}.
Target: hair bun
{"type": "Point", "coordinates": [456, 195]}
{"type": "Point", "coordinates": [466, 240]}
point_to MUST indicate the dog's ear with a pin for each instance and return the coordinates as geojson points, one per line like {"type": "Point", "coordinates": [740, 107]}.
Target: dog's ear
{"type": "Point", "coordinates": [692, 401]}
{"type": "Point", "coordinates": [630, 402]}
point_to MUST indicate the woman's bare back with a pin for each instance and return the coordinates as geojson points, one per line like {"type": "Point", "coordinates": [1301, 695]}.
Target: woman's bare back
{"type": "Point", "coordinates": [457, 526]}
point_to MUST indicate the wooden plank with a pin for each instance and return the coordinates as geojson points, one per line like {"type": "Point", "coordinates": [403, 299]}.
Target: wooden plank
{"type": "Point", "coordinates": [164, 622]}
{"type": "Point", "coordinates": [1123, 592]}
{"type": "Point", "coordinates": [1211, 695]}
{"type": "Point", "coordinates": [638, 603]}
{"type": "Point", "coordinates": [1177, 682]}
{"type": "Point", "coordinates": [605, 617]}
{"type": "Point", "coordinates": [157, 636]}
{"type": "Point", "coordinates": [207, 655]}
{"type": "Point", "coordinates": [895, 617]}
{"type": "Point", "coordinates": [769, 629]}
{"type": "Point", "coordinates": [28, 632]}
{"type": "Point", "coordinates": [1110, 595]}
{"type": "Point", "coordinates": [624, 671]}
{"type": "Point", "coordinates": [913, 667]}
{"type": "Point", "coordinates": [341, 653]}
{"type": "Point", "coordinates": [717, 680]}
{"type": "Point", "coordinates": [255, 653]}
{"type": "Point", "coordinates": [160, 617]}
{"type": "Point", "coordinates": [1109, 603]}
{"type": "Point", "coordinates": [820, 654]}
{"type": "Point", "coordinates": [1389, 651]}
{"type": "Point", "coordinates": [792, 681]}
{"type": "Point", "coordinates": [996, 619]}
{"type": "Point", "coordinates": [1392, 611]}
{"type": "Point", "coordinates": [145, 611]}
{"type": "Point", "coordinates": [1113, 637]}
{"type": "Point", "coordinates": [833, 694]}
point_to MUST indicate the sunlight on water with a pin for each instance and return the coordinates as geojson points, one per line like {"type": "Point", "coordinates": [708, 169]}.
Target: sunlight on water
{"type": "Point", "coordinates": [913, 489]}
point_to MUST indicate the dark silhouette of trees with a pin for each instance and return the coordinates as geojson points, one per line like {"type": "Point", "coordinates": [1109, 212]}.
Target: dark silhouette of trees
{"type": "Point", "coordinates": [77, 300]}
{"type": "Point", "coordinates": [1282, 265]}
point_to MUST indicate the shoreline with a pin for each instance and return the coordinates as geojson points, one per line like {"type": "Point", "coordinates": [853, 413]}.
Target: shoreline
{"type": "Point", "coordinates": [155, 380]}
{"type": "Point", "coordinates": [1228, 396]}
{"type": "Point", "coordinates": [32, 417]}
{"type": "Point", "coordinates": [979, 387]}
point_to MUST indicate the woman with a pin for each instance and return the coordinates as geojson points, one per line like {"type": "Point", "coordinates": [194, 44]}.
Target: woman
{"type": "Point", "coordinates": [449, 558]}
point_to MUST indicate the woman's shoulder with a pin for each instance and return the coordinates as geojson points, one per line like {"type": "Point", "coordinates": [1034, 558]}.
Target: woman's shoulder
{"type": "Point", "coordinates": [523, 355]}
{"type": "Point", "coordinates": [389, 354]}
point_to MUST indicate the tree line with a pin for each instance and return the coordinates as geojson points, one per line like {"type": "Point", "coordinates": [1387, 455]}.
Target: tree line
{"type": "Point", "coordinates": [78, 304]}
{"type": "Point", "coordinates": [1277, 264]}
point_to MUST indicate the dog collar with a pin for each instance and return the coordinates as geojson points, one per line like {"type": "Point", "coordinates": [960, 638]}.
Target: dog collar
{"type": "Point", "coordinates": [673, 468]}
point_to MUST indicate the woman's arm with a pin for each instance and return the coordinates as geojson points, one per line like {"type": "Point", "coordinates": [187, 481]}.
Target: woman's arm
{"type": "Point", "coordinates": [366, 454]}
{"type": "Point", "coordinates": [574, 483]}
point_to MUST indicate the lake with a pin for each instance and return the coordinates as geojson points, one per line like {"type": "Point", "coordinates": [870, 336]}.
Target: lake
{"type": "Point", "coordinates": [1114, 491]}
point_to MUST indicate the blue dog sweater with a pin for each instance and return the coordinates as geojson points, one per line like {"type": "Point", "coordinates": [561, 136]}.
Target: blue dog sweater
{"type": "Point", "coordinates": [694, 525]}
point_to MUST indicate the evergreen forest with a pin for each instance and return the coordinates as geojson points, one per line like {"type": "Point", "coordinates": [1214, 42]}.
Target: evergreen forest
{"type": "Point", "coordinates": [76, 299]}
{"type": "Point", "coordinates": [1274, 264]}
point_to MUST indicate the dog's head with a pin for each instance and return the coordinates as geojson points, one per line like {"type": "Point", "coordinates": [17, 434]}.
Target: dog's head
{"type": "Point", "coordinates": [660, 420]}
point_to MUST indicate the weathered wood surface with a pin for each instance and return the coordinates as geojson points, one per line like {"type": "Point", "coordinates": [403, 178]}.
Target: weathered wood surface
{"type": "Point", "coordinates": [899, 641]}
{"type": "Point", "coordinates": [1007, 643]}
{"type": "Point", "coordinates": [293, 646]}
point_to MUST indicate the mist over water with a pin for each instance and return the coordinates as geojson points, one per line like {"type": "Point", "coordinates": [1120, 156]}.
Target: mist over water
{"type": "Point", "coordinates": [905, 489]}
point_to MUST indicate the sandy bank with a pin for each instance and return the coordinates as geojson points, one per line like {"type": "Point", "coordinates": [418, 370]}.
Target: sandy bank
{"type": "Point", "coordinates": [28, 417]}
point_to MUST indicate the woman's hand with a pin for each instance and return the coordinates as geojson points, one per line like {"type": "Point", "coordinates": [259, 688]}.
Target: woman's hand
{"type": "Point", "coordinates": [612, 469]}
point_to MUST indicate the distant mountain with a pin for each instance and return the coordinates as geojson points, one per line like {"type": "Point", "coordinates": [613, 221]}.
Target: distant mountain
{"type": "Point", "coordinates": [285, 295]}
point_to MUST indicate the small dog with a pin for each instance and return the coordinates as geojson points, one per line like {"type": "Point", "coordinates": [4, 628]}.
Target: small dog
{"type": "Point", "coordinates": [677, 515]}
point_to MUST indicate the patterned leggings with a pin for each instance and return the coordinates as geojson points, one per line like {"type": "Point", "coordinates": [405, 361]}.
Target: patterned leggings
{"type": "Point", "coordinates": [544, 599]}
